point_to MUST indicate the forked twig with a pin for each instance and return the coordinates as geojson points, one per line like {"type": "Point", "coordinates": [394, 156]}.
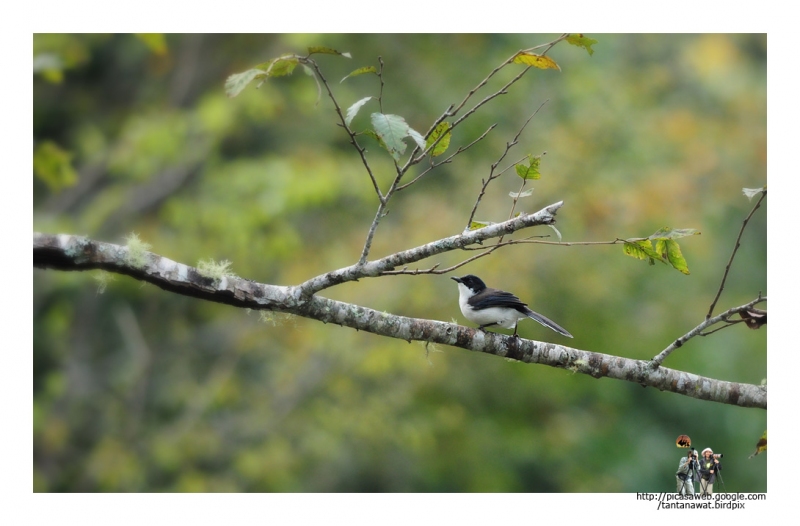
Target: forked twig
{"type": "Point", "coordinates": [733, 254]}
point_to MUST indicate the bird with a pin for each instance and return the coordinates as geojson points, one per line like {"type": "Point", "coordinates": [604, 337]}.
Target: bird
{"type": "Point", "coordinates": [487, 306]}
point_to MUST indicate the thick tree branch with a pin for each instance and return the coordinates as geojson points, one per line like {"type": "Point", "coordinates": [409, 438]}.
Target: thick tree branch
{"type": "Point", "coordinates": [371, 269]}
{"type": "Point", "coordinates": [66, 252]}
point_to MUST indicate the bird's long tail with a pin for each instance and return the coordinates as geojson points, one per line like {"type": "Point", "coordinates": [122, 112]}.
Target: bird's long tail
{"type": "Point", "coordinates": [547, 322]}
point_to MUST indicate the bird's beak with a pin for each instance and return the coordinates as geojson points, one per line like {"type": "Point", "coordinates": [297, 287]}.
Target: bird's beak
{"type": "Point", "coordinates": [457, 280]}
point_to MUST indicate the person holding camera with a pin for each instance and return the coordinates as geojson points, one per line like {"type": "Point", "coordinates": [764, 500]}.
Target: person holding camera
{"type": "Point", "coordinates": [709, 467]}
{"type": "Point", "coordinates": [687, 473]}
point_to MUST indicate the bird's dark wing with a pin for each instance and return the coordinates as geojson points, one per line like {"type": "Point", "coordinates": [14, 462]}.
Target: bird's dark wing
{"type": "Point", "coordinates": [499, 298]}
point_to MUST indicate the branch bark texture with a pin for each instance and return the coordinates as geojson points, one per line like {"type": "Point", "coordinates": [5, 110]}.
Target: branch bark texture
{"type": "Point", "coordinates": [76, 253]}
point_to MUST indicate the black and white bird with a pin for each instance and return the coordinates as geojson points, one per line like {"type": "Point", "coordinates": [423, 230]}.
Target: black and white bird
{"type": "Point", "coordinates": [486, 306]}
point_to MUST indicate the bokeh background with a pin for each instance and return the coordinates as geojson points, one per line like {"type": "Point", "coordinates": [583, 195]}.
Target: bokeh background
{"type": "Point", "coordinates": [136, 389]}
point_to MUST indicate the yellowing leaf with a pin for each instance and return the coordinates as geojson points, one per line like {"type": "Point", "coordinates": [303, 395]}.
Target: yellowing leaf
{"type": "Point", "coordinates": [444, 143]}
{"type": "Point", "coordinates": [642, 249]}
{"type": "Point", "coordinates": [670, 251]}
{"type": "Point", "coordinates": [537, 61]}
{"type": "Point", "coordinates": [761, 445]}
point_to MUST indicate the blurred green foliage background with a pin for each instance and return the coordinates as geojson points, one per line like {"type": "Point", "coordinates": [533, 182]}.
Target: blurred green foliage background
{"type": "Point", "coordinates": [136, 389]}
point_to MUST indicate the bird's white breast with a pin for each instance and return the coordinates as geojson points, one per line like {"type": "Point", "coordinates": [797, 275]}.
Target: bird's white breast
{"type": "Point", "coordinates": [505, 318]}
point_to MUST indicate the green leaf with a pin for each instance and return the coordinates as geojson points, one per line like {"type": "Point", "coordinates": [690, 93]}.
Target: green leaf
{"type": "Point", "coordinates": [537, 61]}
{"type": "Point", "coordinates": [371, 133]}
{"type": "Point", "coordinates": [326, 50]}
{"type": "Point", "coordinates": [642, 249]}
{"type": "Point", "coordinates": [443, 128]}
{"type": "Point", "coordinates": [282, 66]}
{"type": "Point", "coordinates": [238, 81]}
{"type": "Point", "coordinates": [277, 67]}
{"type": "Point", "coordinates": [352, 111]}
{"type": "Point", "coordinates": [666, 248]}
{"type": "Point", "coordinates": [531, 170]}
{"type": "Point", "coordinates": [360, 71]}
{"type": "Point", "coordinates": [677, 233]}
{"type": "Point", "coordinates": [418, 138]}
{"type": "Point", "coordinates": [392, 129]}
{"type": "Point", "coordinates": [671, 252]}
{"type": "Point", "coordinates": [53, 165]}
{"type": "Point", "coordinates": [578, 39]}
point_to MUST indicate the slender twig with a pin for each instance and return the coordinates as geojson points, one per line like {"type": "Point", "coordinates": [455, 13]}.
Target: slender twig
{"type": "Point", "coordinates": [516, 198]}
{"type": "Point", "coordinates": [501, 91]}
{"type": "Point", "coordinates": [382, 211]}
{"type": "Point", "coordinates": [383, 199]}
{"type": "Point", "coordinates": [485, 185]}
{"type": "Point", "coordinates": [728, 323]}
{"type": "Point", "coordinates": [371, 233]}
{"type": "Point", "coordinates": [575, 243]}
{"type": "Point", "coordinates": [492, 175]}
{"type": "Point", "coordinates": [401, 170]}
{"type": "Point", "coordinates": [549, 45]}
{"type": "Point", "coordinates": [449, 159]}
{"type": "Point", "coordinates": [735, 248]}
{"type": "Point", "coordinates": [452, 110]}
{"type": "Point", "coordinates": [412, 159]}
{"type": "Point", "coordinates": [350, 133]}
{"type": "Point", "coordinates": [698, 331]}
{"type": "Point", "coordinates": [485, 251]}
{"type": "Point", "coordinates": [380, 77]}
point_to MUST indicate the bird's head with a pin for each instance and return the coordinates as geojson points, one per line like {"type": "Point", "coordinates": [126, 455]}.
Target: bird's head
{"type": "Point", "coordinates": [473, 283]}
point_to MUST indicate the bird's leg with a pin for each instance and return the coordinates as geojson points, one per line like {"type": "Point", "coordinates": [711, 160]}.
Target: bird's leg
{"type": "Point", "coordinates": [482, 328]}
